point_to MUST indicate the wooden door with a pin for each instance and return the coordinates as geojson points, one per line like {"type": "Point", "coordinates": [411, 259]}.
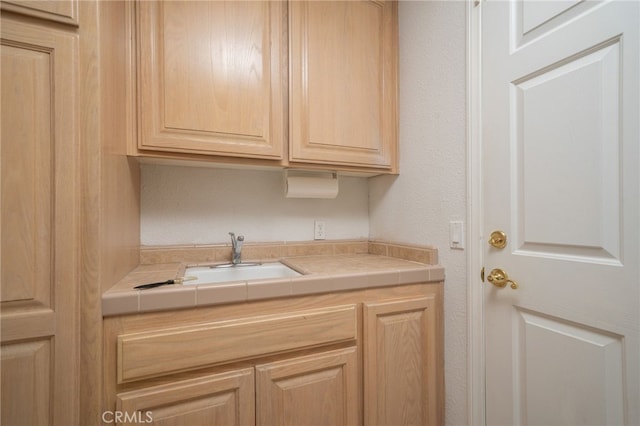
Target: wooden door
{"type": "Point", "coordinates": [343, 83]}
{"type": "Point", "coordinates": [222, 399]}
{"type": "Point", "coordinates": [403, 363]}
{"type": "Point", "coordinates": [318, 389]}
{"type": "Point", "coordinates": [39, 236]}
{"type": "Point", "coordinates": [64, 11]}
{"type": "Point", "coordinates": [560, 138]}
{"type": "Point", "coordinates": [210, 77]}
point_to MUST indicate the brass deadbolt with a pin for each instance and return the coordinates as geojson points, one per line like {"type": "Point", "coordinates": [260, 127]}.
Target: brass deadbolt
{"type": "Point", "coordinates": [498, 239]}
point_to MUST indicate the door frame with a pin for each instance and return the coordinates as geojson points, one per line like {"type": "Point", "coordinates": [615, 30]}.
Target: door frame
{"type": "Point", "coordinates": [475, 292]}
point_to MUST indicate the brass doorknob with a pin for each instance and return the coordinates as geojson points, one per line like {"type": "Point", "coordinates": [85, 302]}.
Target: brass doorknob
{"type": "Point", "coordinates": [499, 278]}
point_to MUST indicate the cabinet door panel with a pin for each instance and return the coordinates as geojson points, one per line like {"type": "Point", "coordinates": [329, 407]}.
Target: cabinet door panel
{"type": "Point", "coordinates": [39, 224]}
{"type": "Point", "coordinates": [64, 11]}
{"type": "Point", "coordinates": [402, 362]}
{"type": "Point", "coordinates": [26, 378]}
{"type": "Point", "coordinates": [317, 389]}
{"type": "Point", "coordinates": [219, 399]}
{"type": "Point", "coordinates": [343, 83]}
{"type": "Point", "coordinates": [210, 77]}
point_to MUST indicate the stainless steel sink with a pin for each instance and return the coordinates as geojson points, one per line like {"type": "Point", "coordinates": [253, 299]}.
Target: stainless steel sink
{"type": "Point", "coordinates": [241, 272]}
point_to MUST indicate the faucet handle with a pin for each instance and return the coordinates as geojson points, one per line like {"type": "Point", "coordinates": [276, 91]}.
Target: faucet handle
{"type": "Point", "coordinates": [240, 237]}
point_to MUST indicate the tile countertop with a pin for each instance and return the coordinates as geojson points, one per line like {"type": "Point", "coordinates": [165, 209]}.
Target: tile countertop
{"type": "Point", "coordinates": [321, 274]}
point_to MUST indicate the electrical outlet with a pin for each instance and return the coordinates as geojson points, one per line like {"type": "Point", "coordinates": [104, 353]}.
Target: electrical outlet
{"type": "Point", "coordinates": [319, 231]}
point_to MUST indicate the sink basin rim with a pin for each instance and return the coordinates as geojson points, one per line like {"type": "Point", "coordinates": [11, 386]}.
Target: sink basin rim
{"type": "Point", "coordinates": [215, 274]}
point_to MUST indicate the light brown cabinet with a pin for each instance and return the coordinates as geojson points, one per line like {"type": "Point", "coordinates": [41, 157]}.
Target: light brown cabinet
{"type": "Point", "coordinates": [221, 399]}
{"type": "Point", "coordinates": [343, 82]}
{"type": "Point", "coordinates": [62, 11]}
{"type": "Point", "coordinates": [286, 84]}
{"type": "Point", "coordinates": [321, 388]}
{"type": "Point", "coordinates": [210, 77]}
{"type": "Point", "coordinates": [324, 359]}
{"type": "Point", "coordinates": [39, 222]}
{"type": "Point", "coordinates": [402, 370]}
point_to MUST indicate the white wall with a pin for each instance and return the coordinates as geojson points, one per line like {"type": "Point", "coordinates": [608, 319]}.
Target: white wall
{"type": "Point", "coordinates": [416, 206]}
{"type": "Point", "coordinates": [194, 205]}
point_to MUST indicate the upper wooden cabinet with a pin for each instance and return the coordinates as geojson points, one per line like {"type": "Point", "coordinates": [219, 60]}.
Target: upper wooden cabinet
{"type": "Point", "coordinates": [210, 77]}
{"type": "Point", "coordinates": [343, 83]}
{"type": "Point", "coordinates": [298, 84]}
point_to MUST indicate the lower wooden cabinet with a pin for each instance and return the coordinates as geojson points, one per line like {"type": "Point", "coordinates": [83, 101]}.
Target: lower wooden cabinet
{"type": "Point", "coordinates": [319, 389]}
{"type": "Point", "coordinates": [372, 357]}
{"type": "Point", "coordinates": [222, 399]}
{"type": "Point", "coordinates": [403, 368]}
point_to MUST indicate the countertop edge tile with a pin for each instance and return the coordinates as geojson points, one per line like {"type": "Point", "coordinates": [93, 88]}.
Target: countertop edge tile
{"type": "Point", "coordinates": [269, 289]}
{"type": "Point", "coordinates": [207, 294]}
{"type": "Point", "coordinates": [351, 281]}
{"type": "Point", "coordinates": [417, 275]}
{"type": "Point", "coordinates": [382, 279]}
{"type": "Point", "coordinates": [312, 284]}
{"type": "Point", "coordinates": [168, 297]}
{"type": "Point", "coordinates": [118, 303]}
{"type": "Point", "coordinates": [436, 273]}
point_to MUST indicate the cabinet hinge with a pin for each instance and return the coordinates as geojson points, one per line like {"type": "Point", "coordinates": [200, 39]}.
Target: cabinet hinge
{"type": "Point", "coordinates": [482, 274]}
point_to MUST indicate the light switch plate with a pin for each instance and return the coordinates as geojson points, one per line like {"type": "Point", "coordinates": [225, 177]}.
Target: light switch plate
{"type": "Point", "coordinates": [456, 234]}
{"type": "Point", "coordinates": [319, 232]}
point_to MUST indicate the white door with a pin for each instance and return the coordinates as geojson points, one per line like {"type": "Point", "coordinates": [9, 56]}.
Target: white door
{"type": "Point", "coordinates": [560, 113]}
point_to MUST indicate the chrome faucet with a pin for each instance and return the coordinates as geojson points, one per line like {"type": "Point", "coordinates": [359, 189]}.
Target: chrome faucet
{"type": "Point", "coordinates": [236, 247]}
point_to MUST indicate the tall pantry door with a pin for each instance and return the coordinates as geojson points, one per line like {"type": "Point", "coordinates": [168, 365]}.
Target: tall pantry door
{"type": "Point", "coordinates": [38, 232]}
{"type": "Point", "coordinates": [560, 96]}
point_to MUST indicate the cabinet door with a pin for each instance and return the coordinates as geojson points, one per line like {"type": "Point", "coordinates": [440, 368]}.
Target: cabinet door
{"type": "Point", "coordinates": [403, 378]}
{"type": "Point", "coordinates": [220, 399]}
{"type": "Point", "coordinates": [64, 11]}
{"type": "Point", "coordinates": [319, 389]}
{"type": "Point", "coordinates": [210, 77]}
{"type": "Point", "coordinates": [39, 226]}
{"type": "Point", "coordinates": [343, 83]}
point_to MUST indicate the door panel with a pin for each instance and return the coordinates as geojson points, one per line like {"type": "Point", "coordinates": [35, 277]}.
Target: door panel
{"type": "Point", "coordinates": [64, 11]}
{"type": "Point", "coordinates": [39, 225]}
{"type": "Point", "coordinates": [578, 357]}
{"type": "Point", "coordinates": [211, 77]}
{"type": "Point", "coordinates": [27, 160]}
{"type": "Point", "coordinates": [532, 18]}
{"type": "Point", "coordinates": [217, 399]}
{"type": "Point", "coordinates": [343, 90]}
{"type": "Point", "coordinates": [26, 380]}
{"type": "Point", "coordinates": [567, 164]}
{"type": "Point", "coordinates": [560, 159]}
{"type": "Point", "coordinates": [402, 363]}
{"type": "Point", "coordinates": [316, 389]}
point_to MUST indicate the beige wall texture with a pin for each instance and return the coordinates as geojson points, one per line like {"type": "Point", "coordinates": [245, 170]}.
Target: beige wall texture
{"type": "Point", "coordinates": [430, 191]}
